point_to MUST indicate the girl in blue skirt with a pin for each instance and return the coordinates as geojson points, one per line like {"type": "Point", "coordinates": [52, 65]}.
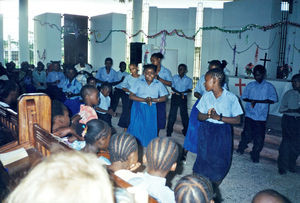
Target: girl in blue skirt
{"type": "Point", "coordinates": [218, 108]}
{"type": "Point", "coordinates": [145, 93]}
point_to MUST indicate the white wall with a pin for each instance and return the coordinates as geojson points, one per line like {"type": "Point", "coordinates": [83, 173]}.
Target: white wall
{"type": "Point", "coordinates": [114, 46]}
{"type": "Point", "coordinates": [293, 38]}
{"type": "Point", "coordinates": [1, 40]}
{"type": "Point", "coordinates": [47, 38]}
{"type": "Point", "coordinates": [244, 12]}
{"type": "Point", "coordinates": [169, 19]}
{"type": "Point", "coordinates": [211, 40]}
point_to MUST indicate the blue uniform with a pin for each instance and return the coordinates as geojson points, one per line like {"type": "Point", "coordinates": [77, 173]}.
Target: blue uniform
{"type": "Point", "coordinates": [54, 76]}
{"type": "Point", "coordinates": [74, 87]}
{"type": "Point", "coordinates": [39, 77]}
{"type": "Point", "coordinates": [200, 88]}
{"type": "Point", "coordinates": [165, 73]}
{"type": "Point", "coordinates": [259, 91]}
{"type": "Point", "coordinates": [119, 77]}
{"type": "Point", "coordinates": [107, 77]}
{"type": "Point", "coordinates": [182, 84]}
{"type": "Point", "coordinates": [143, 121]}
{"type": "Point", "coordinates": [215, 143]}
{"type": "Point", "coordinates": [129, 82]}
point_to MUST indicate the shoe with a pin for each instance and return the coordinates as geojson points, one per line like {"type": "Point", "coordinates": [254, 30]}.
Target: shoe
{"type": "Point", "coordinates": [240, 151]}
{"type": "Point", "coordinates": [281, 171]}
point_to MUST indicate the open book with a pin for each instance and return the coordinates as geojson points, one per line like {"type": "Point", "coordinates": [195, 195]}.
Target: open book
{"type": "Point", "coordinates": [10, 157]}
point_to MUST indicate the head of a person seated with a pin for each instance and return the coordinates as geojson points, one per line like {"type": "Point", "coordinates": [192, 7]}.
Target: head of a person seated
{"type": "Point", "coordinates": [296, 82]}
{"type": "Point", "coordinates": [269, 196]}
{"type": "Point", "coordinates": [105, 89]}
{"type": "Point", "coordinates": [55, 65]}
{"type": "Point", "coordinates": [89, 95]}
{"type": "Point", "coordinates": [194, 188]}
{"type": "Point", "coordinates": [59, 115]}
{"type": "Point", "coordinates": [65, 177]}
{"type": "Point", "coordinates": [161, 156]}
{"type": "Point", "coordinates": [70, 72]}
{"type": "Point", "coordinates": [123, 151]}
{"type": "Point", "coordinates": [122, 66]}
{"type": "Point", "coordinates": [108, 63]}
{"type": "Point", "coordinates": [91, 81]}
{"type": "Point", "coordinates": [97, 136]}
{"type": "Point", "coordinates": [9, 92]}
{"type": "Point", "coordinates": [40, 66]}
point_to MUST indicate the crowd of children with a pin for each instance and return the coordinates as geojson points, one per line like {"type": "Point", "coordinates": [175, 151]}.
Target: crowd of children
{"type": "Point", "coordinates": [83, 106]}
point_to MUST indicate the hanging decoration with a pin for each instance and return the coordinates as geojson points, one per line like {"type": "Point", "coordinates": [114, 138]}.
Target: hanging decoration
{"type": "Point", "coordinates": [163, 44]}
{"type": "Point", "coordinates": [234, 54]}
{"type": "Point", "coordinates": [59, 28]}
{"type": "Point", "coordinates": [256, 55]}
{"type": "Point", "coordinates": [43, 57]}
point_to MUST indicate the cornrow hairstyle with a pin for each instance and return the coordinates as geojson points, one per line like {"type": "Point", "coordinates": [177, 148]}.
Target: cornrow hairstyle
{"type": "Point", "coordinates": [272, 193]}
{"type": "Point", "coordinates": [96, 129]}
{"type": "Point", "coordinates": [161, 154]}
{"type": "Point", "coordinates": [158, 55]}
{"type": "Point", "coordinates": [217, 73]}
{"type": "Point", "coordinates": [193, 188]}
{"type": "Point", "coordinates": [121, 146]}
{"type": "Point", "coordinates": [149, 66]}
{"type": "Point", "coordinates": [86, 90]}
{"type": "Point", "coordinates": [296, 78]}
{"type": "Point", "coordinates": [216, 63]}
{"type": "Point", "coordinates": [260, 68]}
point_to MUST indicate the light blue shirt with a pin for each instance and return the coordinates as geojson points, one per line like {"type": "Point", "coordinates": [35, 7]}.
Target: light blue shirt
{"type": "Point", "coordinates": [258, 91]}
{"type": "Point", "coordinates": [165, 74]}
{"type": "Point", "coordinates": [182, 84]}
{"type": "Point", "coordinates": [72, 87]}
{"type": "Point", "coordinates": [129, 82]}
{"type": "Point", "coordinates": [155, 90]}
{"type": "Point", "coordinates": [103, 76]}
{"type": "Point", "coordinates": [104, 103]}
{"type": "Point", "coordinates": [39, 77]}
{"type": "Point", "coordinates": [200, 87]}
{"type": "Point", "coordinates": [54, 76]}
{"type": "Point", "coordinates": [119, 77]}
{"type": "Point", "coordinates": [227, 104]}
{"type": "Point", "coordinates": [155, 186]}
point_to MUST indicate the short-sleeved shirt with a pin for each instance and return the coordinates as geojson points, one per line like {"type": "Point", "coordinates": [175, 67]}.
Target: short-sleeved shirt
{"type": "Point", "coordinates": [81, 77]}
{"type": "Point", "coordinates": [107, 77]}
{"type": "Point", "coordinates": [165, 74]}
{"type": "Point", "coordinates": [155, 186]}
{"type": "Point", "coordinates": [155, 90]}
{"type": "Point", "coordinates": [129, 81]}
{"type": "Point", "coordinates": [290, 100]}
{"type": "Point", "coordinates": [227, 104]}
{"type": "Point", "coordinates": [39, 77]}
{"type": "Point", "coordinates": [119, 77]}
{"type": "Point", "coordinates": [259, 91]}
{"type": "Point", "coordinates": [200, 87]}
{"type": "Point", "coordinates": [54, 76]}
{"type": "Point", "coordinates": [72, 87]}
{"type": "Point", "coordinates": [104, 103]}
{"type": "Point", "coordinates": [182, 84]}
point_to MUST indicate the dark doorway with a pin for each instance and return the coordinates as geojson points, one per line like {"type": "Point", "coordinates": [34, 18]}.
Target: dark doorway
{"type": "Point", "coordinates": [75, 37]}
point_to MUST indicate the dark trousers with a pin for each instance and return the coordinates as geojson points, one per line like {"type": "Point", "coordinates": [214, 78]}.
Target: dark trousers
{"type": "Point", "coordinates": [105, 117]}
{"type": "Point", "coordinates": [178, 101]}
{"type": "Point", "coordinates": [289, 149]}
{"type": "Point", "coordinates": [117, 94]}
{"type": "Point", "coordinates": [253, 131]}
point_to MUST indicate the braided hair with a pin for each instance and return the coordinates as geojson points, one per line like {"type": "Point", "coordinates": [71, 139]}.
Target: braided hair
{"type": "Point", "coordinates": [121, 146]}
{"type": "Point", "coordinates": [217, 73]}
{"type": "Point", "coordinates": [96, 129]}
{"type": "Point", "coordinates": [161, 154]}
{"type": "Point", "coordinates": [193, 188]}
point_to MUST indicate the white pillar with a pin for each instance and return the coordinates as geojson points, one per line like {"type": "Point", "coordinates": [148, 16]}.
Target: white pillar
{"type": "Point", "coordinates": [137, 13]}
{"type": "Point", "coordinates": [23, 31]}
{"type": "Point", "coordinates": [1, 40]}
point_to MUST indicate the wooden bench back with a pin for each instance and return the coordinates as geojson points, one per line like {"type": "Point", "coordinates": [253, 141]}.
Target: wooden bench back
{"type": "Point", "coordinates": [9, 119]}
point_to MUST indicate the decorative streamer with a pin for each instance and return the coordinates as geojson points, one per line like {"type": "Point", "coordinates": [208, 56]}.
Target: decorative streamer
{"type": "Point", "coordinates": [256, 55]}
{"type": "Point", "coordinates": [234, 53]}
{"type": "Point", "coordinates": [163, 44]}
{"type": "Point", "coordinates": [43, 57]}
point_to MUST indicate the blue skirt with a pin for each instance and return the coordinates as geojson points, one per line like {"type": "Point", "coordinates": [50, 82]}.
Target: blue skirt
{"type": "Point", "coordinates": [214, 151]}
{"type": "Point", "coordinates": [192, 134]}
{"type": "Point", "coordinates": [143, 122]}
{"type": "Point", "coordinates": [73, 105]}
{"type": "Point", "coordinates": [161, 115]}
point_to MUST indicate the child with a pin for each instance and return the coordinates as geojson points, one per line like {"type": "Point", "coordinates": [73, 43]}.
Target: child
{"type": "Point", "coordinates": [69, 172]}
{"type": "Point", "coordinates": [55, 80]}
{"type": "Point", "coordinates": [217, 109]}
{"type": "Point", "coordinates": [269, 195]}
{"type": "Point", "coordinates": [163, 75]}
{"type": "Point", "coordinates": [194, 188]}
{"type": "Point", "coordinates": [127, 84]}
{"type": "Point", "coordinates": [71, 88]}
{"type": "Point", "coordinates": [9, 93]}
{"type": "Point", "coordinates": [160, 158]}
{"type": "Point", "coordinates": [118, 91]}
{"type": "Point", "coordinates": [92, 81]}
{"type": "Point", "coordinates": [181, 85]}
{"type": "Point", "coordinates": [39, 77]}
{"type": "Point", "coordinates": [258, 96]}
{"type": "Point", "coordinates": [103, 111]}
{"type": "Point", "coordinates": [123, 151]}
{"type": "Point", "coordinates": [290, 145]}
{"type": "Point", "coordinates": [191, 139]}
{"type": "Point", "coordinates": [146, 93]}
